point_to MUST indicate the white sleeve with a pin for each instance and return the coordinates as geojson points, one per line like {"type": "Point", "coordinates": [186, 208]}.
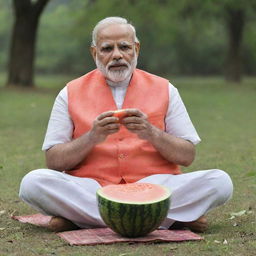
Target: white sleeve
{"type": "Point", "coordinates": [177, 121]}
{"type": "Point", "coordinates": [60, 126]}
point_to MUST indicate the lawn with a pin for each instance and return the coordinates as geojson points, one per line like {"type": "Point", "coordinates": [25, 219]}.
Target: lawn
{"type": "Point", "coordinates": [225, 117]}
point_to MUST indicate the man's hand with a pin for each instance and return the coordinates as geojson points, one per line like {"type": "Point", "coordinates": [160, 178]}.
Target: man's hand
{"type": "Point", "coordinates": [176, 150]}
{"type": "Point", "coordinates": [66, 156]}
{"type": "Point", "coordinates": [137, 122]}
{"type": "Point", "coordinates": [104, 125]}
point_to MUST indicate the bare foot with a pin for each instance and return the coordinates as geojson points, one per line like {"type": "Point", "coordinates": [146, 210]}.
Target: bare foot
{"type": "Point", "coordinates": [59, 224]}
{"type": "Point", "coordinates": [200, 225]}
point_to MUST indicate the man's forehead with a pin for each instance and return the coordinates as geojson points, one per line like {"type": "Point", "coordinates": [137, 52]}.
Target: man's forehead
{"type": "Point", "coordinates": [115, 32]}
{"type": "Point", "coordinates": [111, 42]}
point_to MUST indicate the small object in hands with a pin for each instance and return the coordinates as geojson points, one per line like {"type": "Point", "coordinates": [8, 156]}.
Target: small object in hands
{"type": "Point", "coordinates": [133, 209]}
{"type": "Point", "coordinates": [120, 114]}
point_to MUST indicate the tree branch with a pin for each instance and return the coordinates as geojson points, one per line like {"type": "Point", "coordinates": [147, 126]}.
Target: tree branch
{"type": "Point", "coordinates": [39, 5]}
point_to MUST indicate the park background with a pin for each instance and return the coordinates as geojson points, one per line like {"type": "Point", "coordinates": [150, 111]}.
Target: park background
{"type": "Point", "coordinates": [206, 48]}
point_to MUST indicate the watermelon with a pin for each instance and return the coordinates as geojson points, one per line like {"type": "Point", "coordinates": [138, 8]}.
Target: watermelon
{"type": "Point", "coordinates": [120, 114]}
{"type": "Point", "coordinates": [133, 209]}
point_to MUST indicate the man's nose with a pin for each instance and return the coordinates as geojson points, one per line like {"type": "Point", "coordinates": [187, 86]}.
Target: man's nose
{"type": "Point", "coordinates": [117, 55]}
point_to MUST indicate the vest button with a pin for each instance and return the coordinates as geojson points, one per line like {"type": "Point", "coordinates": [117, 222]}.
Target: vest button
{"type": "Point", "coordinates": [121, 156]}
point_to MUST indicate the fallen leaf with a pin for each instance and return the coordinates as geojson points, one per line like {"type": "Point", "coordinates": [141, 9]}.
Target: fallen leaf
{"type": "Point", "coordinates": [237, 214]}
{"type": "Point", "coordinates": [2, 212]}
{"type": "Point", "coordinates": [13, 213]}
{"type": "Point", "coordinates": [173, 248]}
{"type": "Point", "coordinates": [217, 241]}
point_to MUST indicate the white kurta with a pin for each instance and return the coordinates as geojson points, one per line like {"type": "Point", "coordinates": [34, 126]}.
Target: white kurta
{"type": "Point", "coordinates": [74, 198]}
{"type": "Point", "coordinates": [177, 121]}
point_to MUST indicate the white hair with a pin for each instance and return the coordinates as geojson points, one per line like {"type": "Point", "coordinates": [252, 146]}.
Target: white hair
{"type": "Point", "coordinates": [109, 21]}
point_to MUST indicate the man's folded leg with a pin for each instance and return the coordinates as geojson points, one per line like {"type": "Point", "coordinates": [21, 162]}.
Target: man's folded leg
{"type": "Point", "coordinates": [193, 195]}
{"type": "Point", "coordinates": [74, 199]}
{"type": "Point", "coordinates": [61, 195]}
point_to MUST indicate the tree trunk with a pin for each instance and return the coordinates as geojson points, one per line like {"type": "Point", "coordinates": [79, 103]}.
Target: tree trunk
{"type": "Point", "coordinates": [23, 42]}
{"type": "Point", "coordinates": [22, 52]}
{"type": "Point", "coordinates": [235, 20]}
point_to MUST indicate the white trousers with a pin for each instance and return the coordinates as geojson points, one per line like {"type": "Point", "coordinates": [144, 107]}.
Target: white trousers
{"type": "Point", "coordinates": [74, 198]}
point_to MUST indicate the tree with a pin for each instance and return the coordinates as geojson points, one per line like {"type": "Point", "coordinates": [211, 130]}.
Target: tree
{"type": "Point", "coordinates": [236, 15]}
{"type": "Point", "coordinates": [23, 41]}
{"type": "Point", "coordinates": [234, 18]}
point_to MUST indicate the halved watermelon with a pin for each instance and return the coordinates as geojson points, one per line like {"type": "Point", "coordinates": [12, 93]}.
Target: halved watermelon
{"type": "Point", "coordinates": [133, 209]}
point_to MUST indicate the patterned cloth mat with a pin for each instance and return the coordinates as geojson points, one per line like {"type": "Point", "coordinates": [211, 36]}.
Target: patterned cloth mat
{"type": "Point", "coordinates": [107, 236]}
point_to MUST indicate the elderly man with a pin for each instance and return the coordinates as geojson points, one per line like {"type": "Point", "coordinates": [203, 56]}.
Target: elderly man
{"type": "Point", "coordinates": [87, 148]}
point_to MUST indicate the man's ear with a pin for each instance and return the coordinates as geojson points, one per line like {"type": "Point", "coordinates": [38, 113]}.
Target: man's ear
{"type": "Point", "coordinates": [93, 52]}
{"type": "Point", "coordinates": [137, 48]}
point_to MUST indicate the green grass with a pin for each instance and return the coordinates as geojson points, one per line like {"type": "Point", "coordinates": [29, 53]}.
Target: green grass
{"type": "Point", "coordinates": [225, 117]}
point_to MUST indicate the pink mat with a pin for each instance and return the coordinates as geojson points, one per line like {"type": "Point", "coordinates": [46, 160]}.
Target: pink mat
{"type": "Point", "coordinates": [35, 219]}
{"type": "Point", "coordinates": [107, 236]}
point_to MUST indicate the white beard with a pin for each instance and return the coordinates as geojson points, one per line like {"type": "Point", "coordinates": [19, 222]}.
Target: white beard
{"type": "Point", "coordinates": [117, 76]}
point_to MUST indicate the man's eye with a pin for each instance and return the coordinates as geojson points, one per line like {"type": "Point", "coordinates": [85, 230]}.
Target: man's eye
{"type": "Point", "coordinates": [124, 47]}
{"type": "Point", "coordinates": [106, 49]}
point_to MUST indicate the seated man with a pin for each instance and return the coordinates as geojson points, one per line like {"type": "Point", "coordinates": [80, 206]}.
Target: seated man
{"type": "Point", "coordinates": [87, 148]}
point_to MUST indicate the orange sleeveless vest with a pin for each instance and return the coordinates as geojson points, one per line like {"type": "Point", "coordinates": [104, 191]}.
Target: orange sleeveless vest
{"type": "Point", "coordinates": [122, 157]}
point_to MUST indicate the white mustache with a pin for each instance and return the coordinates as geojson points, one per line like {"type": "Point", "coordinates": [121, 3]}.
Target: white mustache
{"type": "Point", "coordinates": [117, 63]}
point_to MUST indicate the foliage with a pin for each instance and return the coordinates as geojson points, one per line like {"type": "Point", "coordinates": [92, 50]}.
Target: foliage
{"type": "Point", "coordinates": [62, 51]}
{"type": "Point", "coordinates": [169, 43]}
{"type": "Point", "coordinates": [177, 37]}
{"type": "Point", "coordinates": [174, 39]}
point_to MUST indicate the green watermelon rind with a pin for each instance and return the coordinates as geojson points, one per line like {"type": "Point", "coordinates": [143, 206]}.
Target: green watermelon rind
{"type": "Point", "coordinates": [133, 219]}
